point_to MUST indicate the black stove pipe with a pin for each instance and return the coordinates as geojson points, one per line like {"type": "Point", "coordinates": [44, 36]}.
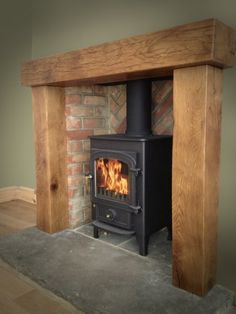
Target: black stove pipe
{"type": "Point", "coordinates": [139, 108]}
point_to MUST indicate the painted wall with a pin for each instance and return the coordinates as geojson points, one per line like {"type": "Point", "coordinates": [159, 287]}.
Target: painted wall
{"type": "Point", "coordinates": [60, 26]}
{"type": "Point", "coordinates": [227, 213]}
{"type": "Point", "coordinates": [17, 157]}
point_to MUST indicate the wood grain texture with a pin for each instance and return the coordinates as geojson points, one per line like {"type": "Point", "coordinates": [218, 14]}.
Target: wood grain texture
{"type": "Point", "coordinates": [20, 295]}
{"type": "Point", "coordinates": [196, 150]}
{"type": "Point", "coordinates": [50, 145]}
{"type": "Point", "coordinates": [17, 193]}
{"type": "Point", "coordinates": [8, 193]}
{"type": "Point", "coordinates": [16, 215]}
{"type": "Point", "coordinates": [149, 55]}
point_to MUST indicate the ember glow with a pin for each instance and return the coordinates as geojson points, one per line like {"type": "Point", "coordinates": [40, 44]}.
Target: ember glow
{"type": "Point", "coordinates": [110, 176]}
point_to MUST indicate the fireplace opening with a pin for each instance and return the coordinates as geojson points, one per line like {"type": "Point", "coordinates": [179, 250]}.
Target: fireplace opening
{"type": "Point", "coordinates": [131, 174]}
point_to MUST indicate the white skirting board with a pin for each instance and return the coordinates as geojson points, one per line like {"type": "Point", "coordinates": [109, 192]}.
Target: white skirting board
{"type": "Point", "coordinates": [17, 193]}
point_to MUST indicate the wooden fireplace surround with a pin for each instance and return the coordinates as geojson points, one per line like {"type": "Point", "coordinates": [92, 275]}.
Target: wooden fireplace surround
{"type": "Point", "coordinates": [195, 55]}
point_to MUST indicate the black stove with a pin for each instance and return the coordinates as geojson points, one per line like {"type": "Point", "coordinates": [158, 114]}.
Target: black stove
{"type": "Point", "coordinates": [131, 174]}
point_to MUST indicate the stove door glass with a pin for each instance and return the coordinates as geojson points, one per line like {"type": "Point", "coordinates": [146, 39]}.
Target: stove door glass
{"type": "Point", "coordinates": [112, 179]}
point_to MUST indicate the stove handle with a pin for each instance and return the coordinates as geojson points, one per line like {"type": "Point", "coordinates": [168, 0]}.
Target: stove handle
{"type": "Point", "coordinates": [136, 209]}
{"type": "Point", "coordinates": [136, 171]}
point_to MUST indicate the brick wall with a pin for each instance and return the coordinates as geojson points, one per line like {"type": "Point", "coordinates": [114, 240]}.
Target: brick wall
{"type": "Point", "coordinates": [93, 110]}
{"type": "Point", "coordinates": [162, 100]}
{"type": "Point", "coordinates": [86, 114]}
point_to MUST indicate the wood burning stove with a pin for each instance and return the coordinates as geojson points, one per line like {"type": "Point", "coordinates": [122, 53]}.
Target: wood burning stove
{"type": "Point", "coordinates": [131, 174]}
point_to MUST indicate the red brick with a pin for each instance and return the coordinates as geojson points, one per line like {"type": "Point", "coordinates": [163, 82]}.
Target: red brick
{"type": "Point", "coordinates": [86, 145]}
{"type": "Point", "coordinates": [163, 91]}
{"type": "Point", "coordinates": [101, 131]}
{"type": "Point", "coordinates": [73, 123]}
{"type": "Point", "coordinates": [86, 167]}
{"type": "Point", "coordinates": [114, 106]}
{"type": "Point", "coordinates": [122, 127]}
{"type": "Point", "coordinates": [77, 158]}
{"type": "Point", "coordinates": [71, 90]}
{"type": "Point", "coordinates": [164, 126]}
{"type": "Point", "coordinates": [114, 122]}
{"type": "Point", "coordinates": [112, 131]}
{"type": "Point", "coordinates": [70, 207]}
{"type": "Point", "coordinates": [76, 169]}
{"type": "Point", "coordinates": [76, 218]}
{"type": "Point", "coordinates": [98, 89]}
{"type": "Point", "coordinates": [161, 108]}
{"type": "Point", "coordinates": [79, 134]}
{"type": "Point", "coordinates": [74, 147]}
{"type": "Point", "coordinates": [87, 214]}
{"type": "Point", "coordinates": [72, 192]}
{"type": "Point", "coordinates": [77, 191]}
{"type": "Point", "coordinates": [93, 123]}
{"type": "Point", "coordinates": [74, 181]}
{"type": "Point", "coordinates": [86, 89]}
{"type": "Point", "coordinates": [94, 100]}
{"type": "Point", "coordinates": [79, 89]}
{"type": "Point", "coordinates": [121, 113]}
{"type": "Point", "coordinates": [115, 91]}
{"type": "Point", "coordinates": [73, 99]}
{"type": "Point", "coordinates": [122, 98]}
{"type": "Point", "coordinates": [80, 111]}
{"type": "Point", "coordinates": [101, 111]}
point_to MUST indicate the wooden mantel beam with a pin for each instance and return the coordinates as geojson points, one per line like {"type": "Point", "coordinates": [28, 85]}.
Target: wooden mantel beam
{"type": "Point", "coordinates": [207, 42]}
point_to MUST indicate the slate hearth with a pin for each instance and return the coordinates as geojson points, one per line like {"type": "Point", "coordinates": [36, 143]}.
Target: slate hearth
{"type": "Point", "coordinates": [107, 275]}
{"type": "Point", "coordinates": [159, 246]}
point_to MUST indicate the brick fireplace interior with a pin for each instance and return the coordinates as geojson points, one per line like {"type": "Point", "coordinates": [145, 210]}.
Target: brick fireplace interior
{"type": "Point", "coordinates": [94, 110]}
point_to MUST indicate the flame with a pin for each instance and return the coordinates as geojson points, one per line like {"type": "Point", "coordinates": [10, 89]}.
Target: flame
{"type": "Point", "coordinates": [110, 176]}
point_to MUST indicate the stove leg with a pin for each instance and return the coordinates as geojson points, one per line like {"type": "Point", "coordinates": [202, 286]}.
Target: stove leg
{"type": "Point", "coordinates": [143, 244]}
{"type": "Point", "coordinates": [95, 232]}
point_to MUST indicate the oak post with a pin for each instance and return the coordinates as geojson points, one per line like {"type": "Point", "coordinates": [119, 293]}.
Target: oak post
{"type": "Point", "coordinates": [50, 147]}
{"type": "Point", "coordinates": [196, 151]}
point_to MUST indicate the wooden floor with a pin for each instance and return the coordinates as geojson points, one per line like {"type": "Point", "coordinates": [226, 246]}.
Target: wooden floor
{"type": "Point", "coordinates": [19, 294]}
{"type": "Point", "coordinates": [16, 216]}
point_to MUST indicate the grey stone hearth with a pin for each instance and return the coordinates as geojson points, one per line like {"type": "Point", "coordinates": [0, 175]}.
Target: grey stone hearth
{"type": "Point", "coordinates": [107, 275]}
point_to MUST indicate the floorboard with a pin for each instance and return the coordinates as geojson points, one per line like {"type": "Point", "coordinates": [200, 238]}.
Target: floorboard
{"type": "Point", "coordinates": [19, 294]}
{"type": "Point", "coordinates": [16, 215]}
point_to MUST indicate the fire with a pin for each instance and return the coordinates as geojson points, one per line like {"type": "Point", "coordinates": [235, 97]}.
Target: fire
{"type": "Point", "coordinates": [111, 177]}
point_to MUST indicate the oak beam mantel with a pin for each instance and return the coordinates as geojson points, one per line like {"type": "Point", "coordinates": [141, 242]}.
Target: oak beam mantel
{"type": "Point", "coordinates": [155, 54]}
{"type": "Point", "coordinates": [195, 54]}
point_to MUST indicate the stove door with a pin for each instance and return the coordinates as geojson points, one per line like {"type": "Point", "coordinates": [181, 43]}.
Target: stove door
{"type": "Point", "coordinates": [114, 176]}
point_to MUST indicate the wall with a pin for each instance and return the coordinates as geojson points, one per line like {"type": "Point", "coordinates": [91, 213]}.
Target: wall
{"type": "Point", "coordinates": [60, 26]}
{"type": "Point", "coordinates": [17, 161]}
{"type": "Point", "coordinates": [227, 213]}
{"type": "Point", "coordinates": [87, 114]}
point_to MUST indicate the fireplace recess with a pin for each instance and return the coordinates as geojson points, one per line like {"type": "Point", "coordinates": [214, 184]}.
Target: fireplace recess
{"type": "Point", "coordinates": [131, 174]}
